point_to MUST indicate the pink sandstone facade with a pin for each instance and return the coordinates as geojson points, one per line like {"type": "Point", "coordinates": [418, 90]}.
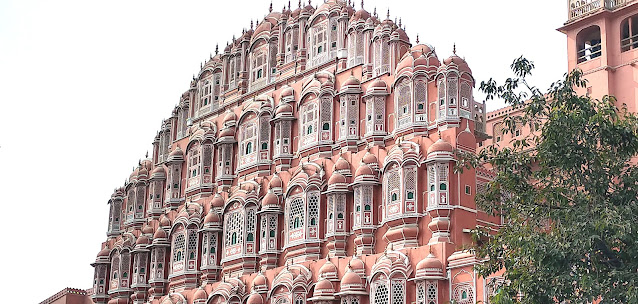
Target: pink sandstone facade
{"type": "Point", "coordinates": [312, 162]}
{"type": "Point", "coordinates": [602, 41]}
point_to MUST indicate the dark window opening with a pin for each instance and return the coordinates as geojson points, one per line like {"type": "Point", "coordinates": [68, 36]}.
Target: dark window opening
{"type": "Point", "coordinates": [588, 42]}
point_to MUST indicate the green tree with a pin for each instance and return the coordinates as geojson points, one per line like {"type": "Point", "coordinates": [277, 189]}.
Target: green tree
{"type": "Point", "coordinates": [567, 192]}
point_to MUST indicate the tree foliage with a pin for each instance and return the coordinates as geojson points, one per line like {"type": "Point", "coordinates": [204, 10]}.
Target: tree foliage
{"type": "Point", "coordinates": [567, 193]}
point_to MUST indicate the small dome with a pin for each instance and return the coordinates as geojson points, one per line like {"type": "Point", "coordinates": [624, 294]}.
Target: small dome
{"type": "Point", "coordinates": [104, 252]}
{"type": "Point", "coordinates": [360, 15]}
{"type": "Point", "coordinates": [142, 173]}
{"type": "Point", "coordinates": [159, 234]}
{"type": "Point", "coordinates": [218, 201]}
{"type": "Point", "coordinates": [352, 81]}
{"type": "Point", "coordinates": [255, 298]}
{"type": "Point", "coordinates": [342, 164]}
{"type": "Point", "coordinates": [370, 158]}
{"type": "Point", "coordinates": [328, 269]}
{"type": "Point", "coordinates": [270, 199]}
{"type": "Point", "coordinates": [350, 278]}
{"type": "Point", "coordinates": [212, 218]}
{"type": "Point", "coordinates": [284, 109]}
{"type": "Point", "coordinates": [401, 35]}
{"type": "Point", "coordinates": [287, 92]}
{"type": "Point", "coordinates": [364, 169]}
{"type": "Point", "coordinates": [148, 229]}
{"type": "Point", "coordinates": [159, 172]}
{"type": "Point", "coordinates": [356, 265]}
{"type": "Point", "coordinates": [406, 62]}
{"type": "Point", "coordinates": [323, 285]}
{"type": "Point", "coordinates": [459, 62]}
{"type": "Point", "coordinates": [440, 146]}
{"type": "Point", "coordinates": [260, 280]}
{"type": "Point", "coordinates": [378, 84]}
{"type": "Point", "coordinates": [177, 152]}
{"type": "Point", "coordinates": [337, 178]}
{"type": "Point", "coordinates": [230, 117]}
{"type": "Point", "coordinates": [133, 175]}
{"type": "Point", "coordinates": [164, 221]}
{"type": "Point", "coordinates": [275, 182]}
{"type": "Point", "coordinates": [430, 262]}
{"type": "Point", "coordinates": [200, 294]}
{"type": "Point", "coordinates": [142, 240]}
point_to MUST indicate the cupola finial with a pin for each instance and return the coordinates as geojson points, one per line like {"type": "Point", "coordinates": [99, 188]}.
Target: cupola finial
{"type": "Point", "coordinates": [454, 49]}
{"type": "Point", "coordinates": [217, 49]}
{"type": "Point", "coordinates": [288, 4]}
{"type": "Point", "coordinates": [270, 6]}
{"type": "Point", "coordinates": [251, 23]}
{"type": "Point", "coordinates": [417, 38]}
{"type": "Point", "coordinates": [361, 4]}
{"type": "Point", "coordinates": [388, 14]}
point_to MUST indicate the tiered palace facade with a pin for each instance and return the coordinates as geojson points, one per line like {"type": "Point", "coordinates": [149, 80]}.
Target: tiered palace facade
{"type": "Point", "coordinates": [312, 161]}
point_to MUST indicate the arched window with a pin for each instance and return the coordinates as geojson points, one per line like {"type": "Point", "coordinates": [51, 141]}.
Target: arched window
{"type": "Point", "coordinates": [179, 249]}
{"type": "Point", "coordinates": [310, 122]}
{"type": "Point", "coordinates": [381, 56]}
{"type": "Point", "coordinates": [629, 33]}
{"type": "Point", "coordinates": [588, 44]}
{"type": "Point", "coordinates": [296, 213]}
{"type": "Point", "coordinates": [420, 99]}
{"type": "Point", "coordinates": [259, 66]}
{"type": "Point", "coordinates": [291, 44]}
{"type": "Point", "coordinates": [381, 294]}
{"type": "Point", "coordinates": [194, 165]}
{"type": "Point", "coordinates": [403, 103]}
{"type": "Point", "coordinates": [248, 141]}
{"type": "Point", "coordinates": [205, 93]}
{"type": "Point", "coordinates": [392, 182]}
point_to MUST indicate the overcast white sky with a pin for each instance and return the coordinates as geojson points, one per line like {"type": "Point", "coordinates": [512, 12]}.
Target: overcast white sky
{"type": "Point", "coordinates": [84, 86]}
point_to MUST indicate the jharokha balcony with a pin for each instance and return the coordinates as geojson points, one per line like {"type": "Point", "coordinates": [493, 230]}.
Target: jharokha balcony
{"type": "Point", "coordinates": [581, 8]}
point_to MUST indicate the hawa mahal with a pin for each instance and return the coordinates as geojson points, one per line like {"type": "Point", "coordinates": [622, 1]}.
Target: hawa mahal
{"type": "Point", "coordinates": [312, 161]}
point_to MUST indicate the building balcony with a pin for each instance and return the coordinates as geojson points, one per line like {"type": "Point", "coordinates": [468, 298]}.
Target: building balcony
{"type": "Point", "coordinates": [579, 9]}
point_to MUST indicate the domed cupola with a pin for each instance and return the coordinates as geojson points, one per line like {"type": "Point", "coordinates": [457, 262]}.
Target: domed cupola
{"type": "Point", "coordinates": [429, 268]}
{"type": "Point", "coordinates": [329, 271]}
{"type": "Point", "coordinates": [440, 150]}
{"type": "Point", "coordinates": [288, 94]}
{"type": "Point", "coordinates": [176, 156]}
{"type": "Point", "coordinates": [270, 202]}
{"type": "Point", "coordinates": [200, 296]}
{"type": "Point", "coordinates": [212, 221]}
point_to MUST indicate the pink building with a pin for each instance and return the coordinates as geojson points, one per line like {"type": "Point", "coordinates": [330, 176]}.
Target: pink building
{"type": "Point", "coordinates": [602, 41]}
{"type": "Point", "coordinates": [309, 162]}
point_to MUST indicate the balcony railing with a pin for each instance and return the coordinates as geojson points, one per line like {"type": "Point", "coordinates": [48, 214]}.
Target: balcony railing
{"type": "Point", "coordinates": [582, 8]}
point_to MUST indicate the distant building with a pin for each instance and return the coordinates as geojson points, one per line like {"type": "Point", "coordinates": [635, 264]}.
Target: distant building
{"type": "Point", "coordinates": [70, 296]}
{"type": "Point", "coordinates": [602, 41]}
